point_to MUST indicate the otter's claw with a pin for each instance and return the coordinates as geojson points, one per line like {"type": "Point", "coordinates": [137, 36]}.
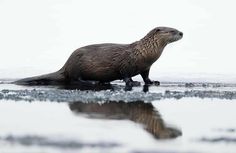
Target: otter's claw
{"type": "Point", "coordinates": [156, 83]}
{"type": "Point", "coordinates": [149, 82]}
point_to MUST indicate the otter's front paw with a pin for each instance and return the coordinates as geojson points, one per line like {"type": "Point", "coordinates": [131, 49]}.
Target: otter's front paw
{"type": "Point", "coordinates": [156, 83]}
{"type": "Point", "coordinates": [170, 133]}
{"type": "Point", "coordinates": [149, 82]}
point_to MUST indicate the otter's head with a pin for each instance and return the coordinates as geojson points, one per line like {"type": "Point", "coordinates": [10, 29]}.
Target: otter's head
{"type": "Point", "coordinates": [165, 35]}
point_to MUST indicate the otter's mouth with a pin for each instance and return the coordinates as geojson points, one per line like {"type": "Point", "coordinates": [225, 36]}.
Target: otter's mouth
{"type": "Point", "coordinates": [177, 36]}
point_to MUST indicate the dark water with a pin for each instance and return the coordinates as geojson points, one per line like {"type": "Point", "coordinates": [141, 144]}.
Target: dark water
{"type": "Point", "coordinates": [173, 117]}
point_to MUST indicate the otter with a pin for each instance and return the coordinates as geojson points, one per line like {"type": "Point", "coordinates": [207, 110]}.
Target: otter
{"type": "Point", "coordinates": [107, 62]}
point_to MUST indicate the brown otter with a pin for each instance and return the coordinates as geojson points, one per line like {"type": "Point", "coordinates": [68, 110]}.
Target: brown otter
{"type": "Point", "coordinates": [108, 62]}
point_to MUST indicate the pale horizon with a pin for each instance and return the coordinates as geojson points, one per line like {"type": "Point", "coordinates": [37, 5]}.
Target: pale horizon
{"type": "Point", "coordinates": [37, 37]}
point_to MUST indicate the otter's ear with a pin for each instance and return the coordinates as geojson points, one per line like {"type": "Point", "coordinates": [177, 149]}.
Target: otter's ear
{"type": "Point", "coordinates": [157, 30]}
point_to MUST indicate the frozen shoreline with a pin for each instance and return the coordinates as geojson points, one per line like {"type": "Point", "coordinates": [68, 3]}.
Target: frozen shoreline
{"type": "Point", "coordinates": [116, 92]}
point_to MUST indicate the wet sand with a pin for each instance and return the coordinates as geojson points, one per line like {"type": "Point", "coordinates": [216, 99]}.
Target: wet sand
{"type": "Point", "coordinates": [173, 117]}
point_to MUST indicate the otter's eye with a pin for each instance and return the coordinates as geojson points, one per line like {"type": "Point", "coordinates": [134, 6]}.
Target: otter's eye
{"type": "Point", "coordinates": [157, 30]}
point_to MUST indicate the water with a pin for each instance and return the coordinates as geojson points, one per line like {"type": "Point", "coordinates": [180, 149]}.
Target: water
{"type": "Point", "coordinates": [174, 117]}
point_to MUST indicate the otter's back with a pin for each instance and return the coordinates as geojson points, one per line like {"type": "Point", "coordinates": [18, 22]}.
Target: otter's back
{"type": "Point", "coordinates": [99, 62]}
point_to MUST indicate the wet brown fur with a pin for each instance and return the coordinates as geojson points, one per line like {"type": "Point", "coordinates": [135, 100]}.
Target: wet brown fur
{"type": "Point", "coordinates": [108, 62]}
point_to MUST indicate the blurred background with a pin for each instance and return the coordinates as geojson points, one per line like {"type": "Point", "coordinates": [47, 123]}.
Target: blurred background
{"type": "Point", "coordinates": [37, 37]}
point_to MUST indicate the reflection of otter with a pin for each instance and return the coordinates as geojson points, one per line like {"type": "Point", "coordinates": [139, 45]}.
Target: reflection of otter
{"type": "Point", "coordinates": [139, 112]}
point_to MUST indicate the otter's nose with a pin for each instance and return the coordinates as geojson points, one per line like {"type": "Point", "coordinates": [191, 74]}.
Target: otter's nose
{"type": "Point", "coordinates": [181, 34]}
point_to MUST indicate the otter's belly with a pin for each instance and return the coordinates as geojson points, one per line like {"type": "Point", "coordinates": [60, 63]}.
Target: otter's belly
{"type": "Point", "coordinates": [94, 72]}
{"type": "Point", "coordinates": [102, 74]}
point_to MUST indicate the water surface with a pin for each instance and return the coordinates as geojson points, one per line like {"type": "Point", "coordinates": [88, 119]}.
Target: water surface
{"type": "Point", "coordinates": [174, 117]}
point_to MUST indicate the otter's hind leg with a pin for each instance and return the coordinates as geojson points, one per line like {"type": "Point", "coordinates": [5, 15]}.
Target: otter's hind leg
{"type": "Point", "coordinates": [145, 76]}
{"type": "Point", "coordinates": [130, 82]}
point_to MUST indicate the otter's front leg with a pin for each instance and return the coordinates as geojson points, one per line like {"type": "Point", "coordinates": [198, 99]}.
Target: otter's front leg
{"type": "Point", "coordinates": [130, 82]}
{"type": "Point", "coordinates": [145, 76]}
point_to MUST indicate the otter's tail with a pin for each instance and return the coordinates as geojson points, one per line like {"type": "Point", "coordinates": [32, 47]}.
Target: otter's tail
{"type": "Point", "coordinates": [47, 79]}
